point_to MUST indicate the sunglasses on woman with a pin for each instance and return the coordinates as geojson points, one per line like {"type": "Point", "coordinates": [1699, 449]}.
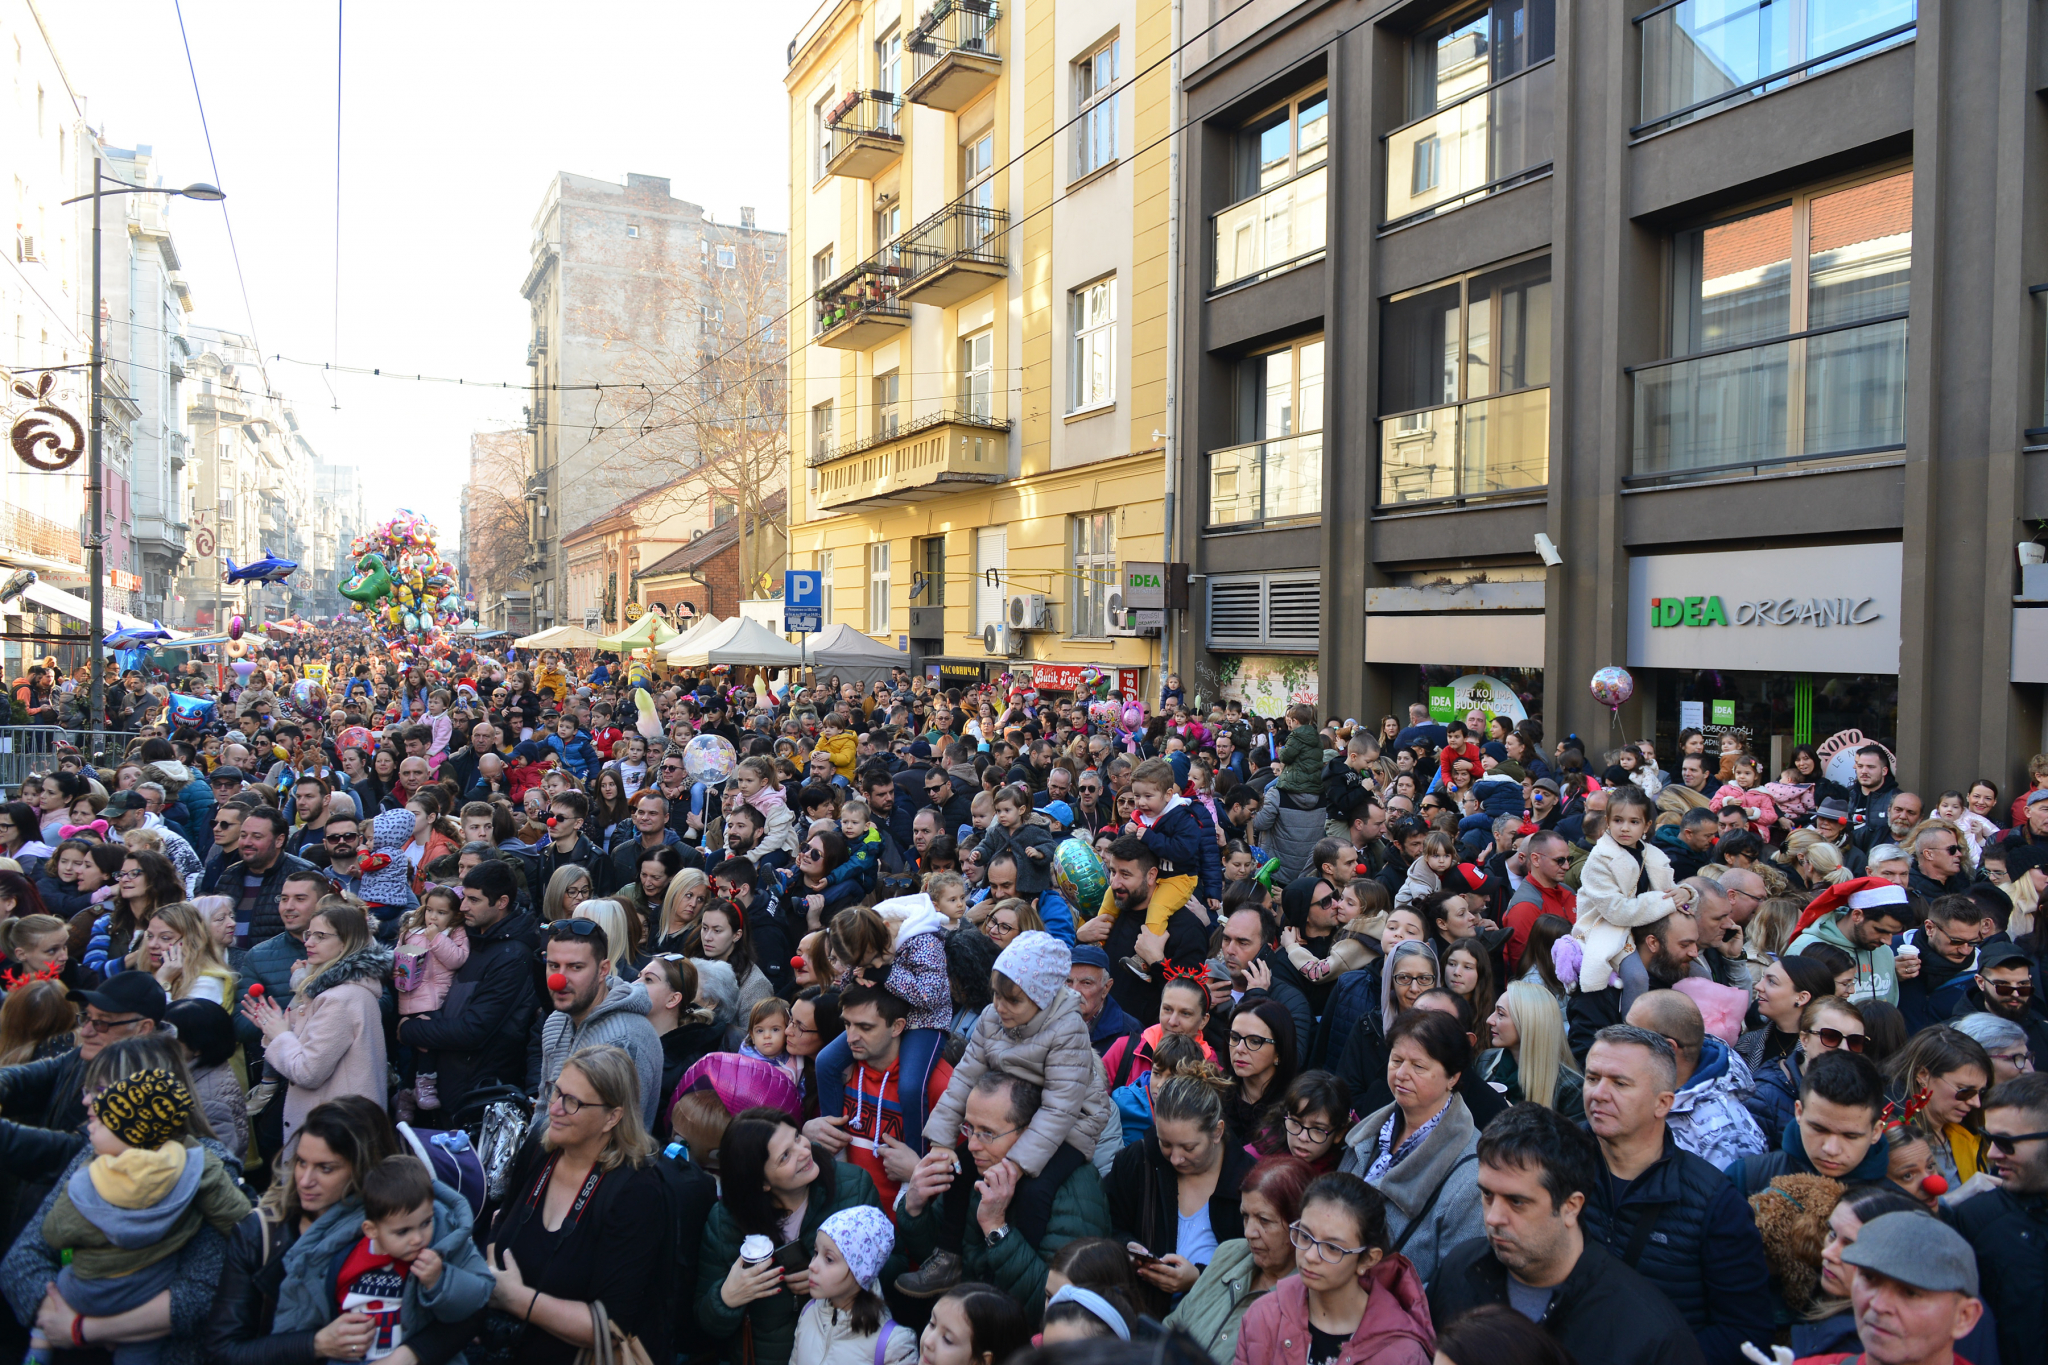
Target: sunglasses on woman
{"type": "Point", "coordinates": [1832, 1038]}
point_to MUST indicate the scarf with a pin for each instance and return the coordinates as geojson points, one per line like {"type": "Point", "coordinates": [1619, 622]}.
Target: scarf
{"type": "Point", "coordinates": [1391, 1156]}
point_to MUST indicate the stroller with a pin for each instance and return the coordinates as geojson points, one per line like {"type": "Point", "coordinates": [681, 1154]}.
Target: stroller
{"type": "Point", "coordinates": [474, 1157]}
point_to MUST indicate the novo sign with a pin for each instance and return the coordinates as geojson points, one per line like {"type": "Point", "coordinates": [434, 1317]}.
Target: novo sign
{"type": "Point", "coordinates": [1731, 610]}
{"type": "Point", "coordinates": [1789, 611]}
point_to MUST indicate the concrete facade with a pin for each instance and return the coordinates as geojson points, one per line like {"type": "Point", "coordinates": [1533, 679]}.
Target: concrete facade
{"type": "Point", "coordinates": [1932, 137]}
{"type": "Point", "coordinates": [628, 286]}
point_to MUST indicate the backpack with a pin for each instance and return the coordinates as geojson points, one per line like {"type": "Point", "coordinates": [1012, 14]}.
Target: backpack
{"type": "Point", "coordinates": [690, 1193]}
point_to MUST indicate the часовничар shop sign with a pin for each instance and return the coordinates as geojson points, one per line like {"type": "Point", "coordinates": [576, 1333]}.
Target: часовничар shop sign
{"type": "Point", "coordinates": [1819, 609]}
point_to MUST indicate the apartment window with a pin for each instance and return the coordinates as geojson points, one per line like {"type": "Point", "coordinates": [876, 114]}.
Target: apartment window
{"type": "Point", "coordinates": [821, 133]}
{"type": "Point", "coordinates": [710, 320]}
{"type": "Point", "coordinates": [932, 557]}
{"type": "Point", "coordinates": [878, 588]}
{"type": "Point", "coordinates": [723, 510]}
{"type": "Point", "coordinates": [1276, 471]}
{"type": "Point", "coordinates": [1095, 102]}
{"type": "Point", "coordinates": [1480, 97]}
{"type": "Point", "coordinates": [1464, 385]}
{"type": "Point", "coordinates": [977, 370]}
{"type": "Point", "coordinates": [821, 430]}
{"type": "Point", "coordinates": [888, 219]}
{"type": "Point", "coordinates": [1283, 142]}
{"type": "Point", "coordinates": [727, 258]}
{"type": "Point", "coordinates": [1476, 48]}
{"type": "Point", "coordinates": [888, 416]}
{"type": "Point", "coordinates": [632, 229]}
{"type": "Point", "coordinates": [823, 271]}
{"type": "Point", "coordinates": [1092, 376]}
{"type": "Point", "coordinates": [824, 568]}
{"type": "Point", "coordinates": [888, 78]}
{"type": "Point", "coordinates": [977, 171]}
{"type": "Point", "coordinates": [1703, 56]}
{"type": "Point", "coordinates": [1280, 215]}
{"type": "Point", "coordinates": [1094, 572]}
{"type": "Point", "coordinates": [1788, 335]}
{"type": "Point", "coordinates": [991, 561]}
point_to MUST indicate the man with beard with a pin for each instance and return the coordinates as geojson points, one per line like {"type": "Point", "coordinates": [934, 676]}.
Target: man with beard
{"type": "Point", "coordinates": [593, 1008]}
{"type": "Point", "coordinates": [1666, 950]}
{"type": "Point", "coordinates": [1184, 947]}
{"type": "Point", "coordinates": [2004, 986]}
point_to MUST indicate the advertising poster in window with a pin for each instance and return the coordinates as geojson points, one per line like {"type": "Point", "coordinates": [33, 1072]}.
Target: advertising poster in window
{"type": "Point", "coordinates": [1267, 684]}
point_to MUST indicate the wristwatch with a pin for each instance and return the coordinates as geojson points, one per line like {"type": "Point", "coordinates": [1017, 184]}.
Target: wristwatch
{"type": "Point", "coordinates": [998, 1235]}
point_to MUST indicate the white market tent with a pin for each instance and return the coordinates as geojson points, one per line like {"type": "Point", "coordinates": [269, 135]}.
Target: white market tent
{"type": "Point", "coordinates": [79, 609]}
{"type": "Point", "coordinates": [560, 637]}
{"type": "Point", "coordinates": [738, 641]}
{"type": "Point", "coordinates": [855, 657]}
{"type": "Point", "coordinates": [699, 629]}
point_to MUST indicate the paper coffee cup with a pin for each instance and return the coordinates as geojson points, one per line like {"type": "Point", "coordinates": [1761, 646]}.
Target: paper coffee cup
{"type": "Point", "coordinates": [756, 1249]}
{"type": "Point", "coordinates": [1908, 950]}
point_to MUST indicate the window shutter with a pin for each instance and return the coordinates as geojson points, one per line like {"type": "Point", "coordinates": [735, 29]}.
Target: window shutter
{"type": "Point", "coordinates": [991, 551]}
{"type": "Point", "coordinates": [1236, 613]}
{"type": "Point", "coordinates": [1294, 613]}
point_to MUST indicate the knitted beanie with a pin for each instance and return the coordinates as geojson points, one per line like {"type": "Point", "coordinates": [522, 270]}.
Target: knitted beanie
{"type": "Point", "coordinates": [146, 1109]}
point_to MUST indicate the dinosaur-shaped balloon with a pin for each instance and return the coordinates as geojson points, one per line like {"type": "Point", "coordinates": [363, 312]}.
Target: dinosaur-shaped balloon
{"type": "Point", "coordinates": [370, 581]}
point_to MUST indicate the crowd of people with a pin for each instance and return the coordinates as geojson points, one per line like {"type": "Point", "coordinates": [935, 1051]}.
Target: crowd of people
{"type": "Point", "coordinates": [422, 1006]}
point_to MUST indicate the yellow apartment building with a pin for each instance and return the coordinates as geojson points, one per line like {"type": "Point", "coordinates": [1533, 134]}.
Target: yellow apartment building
{"type": "Point", "coordinates": [979, 218]}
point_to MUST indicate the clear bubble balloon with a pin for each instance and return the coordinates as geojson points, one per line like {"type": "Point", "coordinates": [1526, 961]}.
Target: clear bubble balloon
{"type": "Point", "coordinates": [710, 758]}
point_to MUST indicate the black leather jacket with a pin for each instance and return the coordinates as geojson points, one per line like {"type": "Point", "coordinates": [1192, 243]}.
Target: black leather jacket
{"type": "Point", "coordinates": [239, 1332]}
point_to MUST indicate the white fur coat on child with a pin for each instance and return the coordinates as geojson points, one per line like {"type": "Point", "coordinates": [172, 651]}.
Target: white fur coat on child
{"type": "Point", "coordinates": [1609, 907]}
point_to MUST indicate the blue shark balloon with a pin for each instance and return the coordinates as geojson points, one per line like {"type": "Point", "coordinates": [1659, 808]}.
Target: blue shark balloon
{"type": "Point", "coordinates": [191, 710]}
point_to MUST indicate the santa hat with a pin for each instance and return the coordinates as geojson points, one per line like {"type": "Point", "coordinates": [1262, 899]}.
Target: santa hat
{"type": "Point", "coordinates": [1858, 893]}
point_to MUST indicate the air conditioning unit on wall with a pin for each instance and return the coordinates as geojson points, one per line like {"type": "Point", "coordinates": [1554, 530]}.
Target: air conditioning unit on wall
{"type": "Point", "coordinates": [1001, 641]}
{"type": "Point", "coordinates": [1029, 611]}
{"type": "Point", "coordinates": [1124, 621]}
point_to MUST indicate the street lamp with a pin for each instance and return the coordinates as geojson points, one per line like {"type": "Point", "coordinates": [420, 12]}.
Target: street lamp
{"type": "Point", "coordinates": [95, 545]}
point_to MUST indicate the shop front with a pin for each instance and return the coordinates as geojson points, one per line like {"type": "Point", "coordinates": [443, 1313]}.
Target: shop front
{"type": "Point", "coordinates": [1459, 647]}
{"type": "Point", "coordinates": [960, 672]}
{"type": "Point", "coordinates": [1067, 678]}
{"type": "Point", "coordinates": [1777, 647]}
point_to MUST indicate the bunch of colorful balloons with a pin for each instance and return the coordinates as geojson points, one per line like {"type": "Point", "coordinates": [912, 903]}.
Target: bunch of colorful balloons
{"type": "Point", "coordinates": [401, 579]}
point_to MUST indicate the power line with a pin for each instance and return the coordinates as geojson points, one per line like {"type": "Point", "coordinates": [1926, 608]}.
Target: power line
{"type": "Point", "coordinates": [226, 216]}
{"type": "Point", "coordinates": [336, 349]}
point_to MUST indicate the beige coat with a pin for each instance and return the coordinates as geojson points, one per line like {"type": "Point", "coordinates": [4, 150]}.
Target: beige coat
{"type": "Point", "coordinates": [335, 1043]}
{"type": "Point", "coordinates": [1052, 1051]}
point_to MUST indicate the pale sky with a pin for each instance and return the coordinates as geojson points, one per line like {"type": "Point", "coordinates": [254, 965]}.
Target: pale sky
{"type": "Point", "coordinates": [454, 115]}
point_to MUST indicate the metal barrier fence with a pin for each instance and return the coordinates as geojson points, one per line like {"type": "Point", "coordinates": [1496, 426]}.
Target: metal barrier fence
{"type": "Point", "coordinates": [26, 749]}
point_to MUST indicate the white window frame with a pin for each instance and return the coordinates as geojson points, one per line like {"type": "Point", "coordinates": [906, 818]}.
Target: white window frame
{"type": "Point", "coordinates": [824, 568]}
{"type": "Point", "coordinates": [878, 588]}
{"type": "Point", "coordinates": [821, 428]}
{"type": "Point", "coordinates": [821, 132]}
{"type": "Point", "coordinates": [1093, 540]}
{"type": "Point", "coordinates": [728, 258]}
{"type": "Point", "coordinates": [888, 403]}
{"type": "Point", "coordinates": [1091, 356]}
{"type": "Point", "coordinates": [977, 376]}
{"type": "Point", "coordinates": [1095, 107]}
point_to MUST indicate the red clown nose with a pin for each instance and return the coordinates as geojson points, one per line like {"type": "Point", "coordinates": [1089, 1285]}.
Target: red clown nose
{"type": "Point", "coordinates": [557, 982]}
{"type": "Point", "coordinates": [256, 988]}
{"type": "Point", "coordinates": [1935, 1184]}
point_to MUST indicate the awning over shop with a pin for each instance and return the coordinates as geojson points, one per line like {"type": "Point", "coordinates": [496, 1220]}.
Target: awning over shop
{"type": "Point", "coordinates": [78, 609]}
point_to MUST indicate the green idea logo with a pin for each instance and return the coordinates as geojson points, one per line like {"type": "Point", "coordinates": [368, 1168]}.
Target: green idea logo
{"type": "Point", "coordinates": [1790, 611]}
{"type": "Point", "coordinates": [1687, 611]}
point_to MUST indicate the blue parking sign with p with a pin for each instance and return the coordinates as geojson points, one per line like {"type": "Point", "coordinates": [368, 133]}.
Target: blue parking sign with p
{"type": "Point", "coordinates": [803, 600]}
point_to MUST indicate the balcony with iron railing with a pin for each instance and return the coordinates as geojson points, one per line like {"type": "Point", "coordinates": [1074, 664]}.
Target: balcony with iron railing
{"type": "Point", "coordinates": [864, 307]}
{"type": "Point", "coordinates": [1493, 139]}
{"type": "Point", "coordinates": [1277, 229]}
{"type": "Point", "coordinates": [1482, 448]}
{"type": "Point", "coordinates": [955, 254]}
{"type": "Point", "coordinates": [1265, 482]}
{"type": "Point", "coordinates": [864, 134]}
{"type": "Point", "coordinates": [1830, 393]}
{"type": "Point", "coordinates": [1703, 56]}
{"type": "Point", "coordinates": [954, 54]}
{"type": "Point", "coordinates": [938, 454]}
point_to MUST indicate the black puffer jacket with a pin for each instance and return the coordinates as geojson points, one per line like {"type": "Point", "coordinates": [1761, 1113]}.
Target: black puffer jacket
{"type": "Point", "coordinates": [1703, 1250]}
{"type": "Point", "coordinates": [1602, 1312]}
{"type": "Point", "coordinates": [478, 1036]}
{"type": "Point", "coordinates": [2009, 1233]}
